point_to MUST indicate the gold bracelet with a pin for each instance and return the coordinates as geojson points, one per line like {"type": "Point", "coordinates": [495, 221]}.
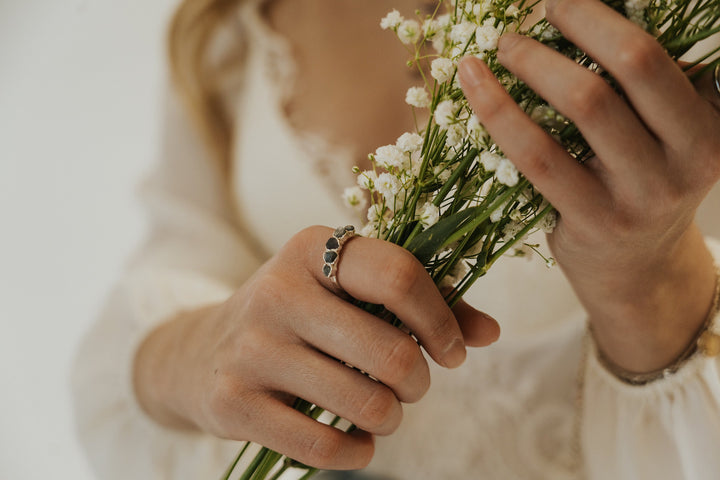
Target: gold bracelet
{"type": "Point", "coordinates": [706, 342]}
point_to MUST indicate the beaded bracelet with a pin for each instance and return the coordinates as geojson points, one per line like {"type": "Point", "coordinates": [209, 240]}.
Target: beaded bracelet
{"type": "Point", "coordinates": [706, 342]}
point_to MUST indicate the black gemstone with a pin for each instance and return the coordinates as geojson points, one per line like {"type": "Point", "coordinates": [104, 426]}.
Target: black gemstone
{"type": "Point", "coordinates": [349, 228]}
{"type": "Point", "coordinates": [327, 270]}
{"type": "Point", "coordinates": [339, 232]}
{"type": "Point", "coordinates": [332, 243]}
{"type": "Point", "coordinates": [330, 256]}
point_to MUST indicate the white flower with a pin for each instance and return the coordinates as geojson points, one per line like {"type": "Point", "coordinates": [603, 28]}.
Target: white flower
{"type": "Point", "coordinates": [430, 28]}
{"type": "Point", "coordinates": [549, 222]}
{"type": "Point", "coordinates": [445, 113]}
{"type": "Point", "coordinates": [487, 37]}
{"type": "Point", "coordinates": [378, 214]}
{"type": "Point", "coordinates": [409, 32]}
{"type": "Point", "coordinates": [391, 21]}
{"type": "Point", "coordinates": [367, 180]}
{"type": "Point", "coordinates": [369, 230]}
{"type": "Point", "coordinates": [511, 229]}
{"type": "Point", "coordinates": [635, 11]}
{"type": "Point", "coordinates": [462, 32]}
{"type": "Point", "coordinates": [497, 214]}
{"type": "Point", "coordinates": [354, 198]}
{"type": "Point", "coordinates": [429, 215]}
{"type": "Point", "coordinates": [388, 185]}
{"type": "Point", "coordinates": [442, 173]}
{"type": "Point", "coordinates": [417, 97]}
{"type": "Point", "coordinates": [490, 161]}
{"type": "Point", "coordinates": [512, 11]}
{"type": "Point", "coordinates": [476, 132]}
{"type": "Point", "coordinates": [442, 69]}
{"type": "Point", "coordinates": [456, 274]}
{"type": "Point", "coordinates": [506, 173]}
{"type": "Point", "coordinates": [455, 135]}
{"type": "Point", "coordinates": [409, 142]}
{"type": "Point", "coordinates": [390, 156]}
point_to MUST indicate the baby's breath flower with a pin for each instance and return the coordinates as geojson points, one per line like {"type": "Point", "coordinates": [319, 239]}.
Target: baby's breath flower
{"type": "Point", "coordinates": [455, 135]}
{"type": "Point", "coordinates": [442, 69]}
{"type": "Point", "coordinates": [391, 21]}
{"type": "Point", "coordinates": [512, 11]}
{"type": "Point", "coordinates": [490, 160]}
{"type": "Point", "coordinates": [388, 186]}
{"type": "Point", "coordinates": [367, 180]}
{"type": "Point", "coordinates": [429, 215]}
{"type": "Point", "coordinates": [379, 214]}
{"type": "Point", "coordinates": [506, 173]}
{"type": "Point", "coordinates": [409, 32]}
{"type": "Point", "coordinates": [442, 173]}
{"type": "Point", "coordinates": [487, 37]}
{"type": "Point", "coordinates": [354, 198]}
{"type": "Point", "coordinates": [445, 113]}
{"type": "Point", "coordinates": [456, 274]}
{"type": "Point", "coordinates": [462, 32]}
{"type": "Point", "coordinates": [389, 157]}
{"type": "Point", "coordinates": [511, 229]}
{"type": "Point", "coordinates": [549, 222]}
{"type": "Point", "coordinates": [417, 97]}
{"type": "Point", "coordinates": [430, 28]}
{"type": "Point", "coordinates": [409, 142]}
{"type": "Point", "coordinates": [635, 11]}
{"type": "Point", "coordinates": [497, 214]}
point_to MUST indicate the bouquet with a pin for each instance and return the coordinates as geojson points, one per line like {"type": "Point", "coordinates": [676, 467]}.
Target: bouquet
{"type": "Point", "coordinates": [445, 191]}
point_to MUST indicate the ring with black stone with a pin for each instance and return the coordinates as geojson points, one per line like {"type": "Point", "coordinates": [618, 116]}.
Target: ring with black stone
{"type": "Point", "coordinates": [333, 246]}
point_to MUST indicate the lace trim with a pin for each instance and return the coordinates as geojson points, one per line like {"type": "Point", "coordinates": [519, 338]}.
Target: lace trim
{"type": "Point", "coordinates": [281, 72]}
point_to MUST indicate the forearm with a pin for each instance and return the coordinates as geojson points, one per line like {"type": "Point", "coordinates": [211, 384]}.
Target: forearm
{"type": "Point", "coordinates": [166, 362]}
{"type": "Point", "coordinates": [643, 321]}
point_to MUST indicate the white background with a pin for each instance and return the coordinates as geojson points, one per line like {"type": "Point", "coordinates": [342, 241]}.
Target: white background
{"type": "Point", "coordinates": [80, 89]}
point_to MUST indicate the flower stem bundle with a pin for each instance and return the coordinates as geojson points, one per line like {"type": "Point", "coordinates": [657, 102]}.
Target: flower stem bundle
{"type": "Point", "coordinates": [446, 191]}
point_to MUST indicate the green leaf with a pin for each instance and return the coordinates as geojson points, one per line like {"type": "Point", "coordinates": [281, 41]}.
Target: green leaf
{"type": "Point", "coordinates": [428, 242]}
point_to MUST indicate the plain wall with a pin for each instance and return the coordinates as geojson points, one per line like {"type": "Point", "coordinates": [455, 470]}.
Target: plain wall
{"type": "Point", "coordinates": [80, 89]}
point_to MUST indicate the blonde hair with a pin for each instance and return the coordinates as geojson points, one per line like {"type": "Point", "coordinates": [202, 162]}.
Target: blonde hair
{"type": "Point", "coordinates": [200, 75]}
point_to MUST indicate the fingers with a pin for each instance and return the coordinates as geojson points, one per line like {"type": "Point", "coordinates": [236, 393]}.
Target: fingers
{"type": "Point", "coordinates": [565, 183]}
{"type": "Point", "coordinates": [301, 438]}
{"type": "Point", "coordinates": [656, 87]}
{"type": "Point", "coordinates": [379, 272]}
{"type": "Point", "coordinates": [348, 333]}
{"type": "Point", "coordinates": [610, 126]}
{"type": "Point", "coordinates": [339, 389]}
{"type": "Point", "coordinates": [479, 329]}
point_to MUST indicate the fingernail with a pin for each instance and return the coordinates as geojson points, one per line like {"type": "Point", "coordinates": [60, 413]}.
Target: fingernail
{"type": "Point", "coordinates": [471, 72]}
{"type": "Point", "coordinates": [455, 354]}
{"type": "Point", "coordinates": [508, 40]}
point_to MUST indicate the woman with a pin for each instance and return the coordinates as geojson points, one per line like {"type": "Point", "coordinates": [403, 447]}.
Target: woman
{"type": "Point", "coordinates": [224, 316]}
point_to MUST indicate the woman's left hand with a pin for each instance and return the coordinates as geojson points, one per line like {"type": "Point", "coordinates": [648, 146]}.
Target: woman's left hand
{"type": "Point", "coordinates": [625, 238]}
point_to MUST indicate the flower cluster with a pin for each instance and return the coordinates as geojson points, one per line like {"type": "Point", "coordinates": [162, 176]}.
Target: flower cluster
{"type": "Point", "coordinates": [446, 191]}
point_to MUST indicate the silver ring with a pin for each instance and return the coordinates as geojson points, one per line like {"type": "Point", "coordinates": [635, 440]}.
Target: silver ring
{"type": "Point", "coordinates": [716, 77]}
{"type": "Point", "coordinates": [333, 246]}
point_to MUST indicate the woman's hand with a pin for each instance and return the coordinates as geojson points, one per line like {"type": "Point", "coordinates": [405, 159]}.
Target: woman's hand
{"type": "Point", "coordinates": [626, 238]}
{"type": "Point", "coordinates": [233, 370]}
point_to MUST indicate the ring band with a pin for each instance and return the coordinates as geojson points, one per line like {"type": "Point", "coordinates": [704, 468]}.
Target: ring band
{"type": "Point", "coordinates": [716, 78]}
{"type": "Point", "coordinates": [333, 246]}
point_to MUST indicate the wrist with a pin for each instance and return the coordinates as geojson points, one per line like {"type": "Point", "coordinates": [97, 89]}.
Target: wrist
{"type": "Point", "coordinates": [165, 369]}
{"type": "Point", "coordinates": [648, 319]}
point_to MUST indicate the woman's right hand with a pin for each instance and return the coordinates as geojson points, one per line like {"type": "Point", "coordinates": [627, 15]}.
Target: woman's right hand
{"type": "Point", "coordinates": [235, 369]}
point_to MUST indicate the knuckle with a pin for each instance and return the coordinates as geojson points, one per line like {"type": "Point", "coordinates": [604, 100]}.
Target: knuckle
{"type": "Point", "coordinates": [641, 55]}
{"type": "Point", "coordinates": [402, 273]}
{"type": "Point", "coordinates": [538, 164]}
{"type": "Point", "coordinates": [400, 360]}
{"type": "Point", "coordinates": [376, 411]}
{"type": "Point", "coordinates": [324, 450]}
{"type": "Point", "coordinates": [585, 102]}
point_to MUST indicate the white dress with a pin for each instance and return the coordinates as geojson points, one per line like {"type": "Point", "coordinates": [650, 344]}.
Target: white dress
{"type": "Point", "coordinates": [510, 412]}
